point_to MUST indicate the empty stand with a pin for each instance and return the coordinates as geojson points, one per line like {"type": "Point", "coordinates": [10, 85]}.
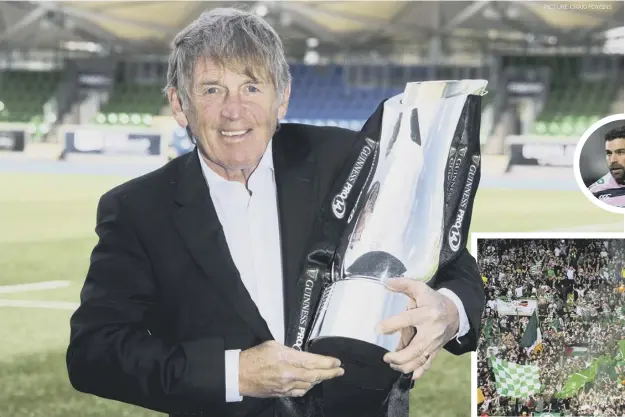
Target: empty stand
{"type": "Point", "coordinates": [581, 91]}
{"type": "Point", "coordinates": [132, 104]}
{"type": "Point", "coordinates": [24, 93]}
{"type": "Point", "coordinates": [335, 92]}
{"type": "Point", "coordinates": [573, 106]}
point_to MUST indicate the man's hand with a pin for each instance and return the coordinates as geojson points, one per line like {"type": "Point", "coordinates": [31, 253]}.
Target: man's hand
{"type": "Point", "coordinates": [274, 370]}
{"type": "Point", "coordinates": [430, 321]}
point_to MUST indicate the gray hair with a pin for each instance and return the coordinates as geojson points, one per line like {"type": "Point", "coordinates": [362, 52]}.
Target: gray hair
{"type": "Point", "coordinates": [227, 36]}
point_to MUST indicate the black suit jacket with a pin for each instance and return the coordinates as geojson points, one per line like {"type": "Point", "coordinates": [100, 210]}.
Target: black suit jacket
{"type": "Point", "coordinates": [163, 300]}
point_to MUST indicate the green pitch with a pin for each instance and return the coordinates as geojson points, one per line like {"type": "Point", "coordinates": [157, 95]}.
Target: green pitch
{"type": "Point", "coordinates": [46, 234]}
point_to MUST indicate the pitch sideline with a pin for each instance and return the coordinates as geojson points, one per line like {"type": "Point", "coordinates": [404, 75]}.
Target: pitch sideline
{"type": "Point", "coordinates": [54, 305]}
{"type": "Point", "coordinates": [35, 286]}
{"type": "Point", "coordinates": [61, 305]}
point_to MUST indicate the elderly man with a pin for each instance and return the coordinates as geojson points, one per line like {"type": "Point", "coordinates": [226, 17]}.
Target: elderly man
{"type": "Point", "coordinates": [192, 282]}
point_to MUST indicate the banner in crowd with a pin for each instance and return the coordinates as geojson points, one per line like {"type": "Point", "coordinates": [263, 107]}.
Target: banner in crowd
{"type": "Point", "coordinates": [532, 339]}
{"type": "Point", "coordinates": [576, 350]}
{"type": "Point", "coordinates": [514, 380]}
{"type": "Point", "coordinates": [12, 140]}
{"type": "Point", "coordinates": [574, 383]}
{"type": "Point", "coordinates": [480, 396]}
{"type": "Point", "coordinates": [523, 307]}
{"type": "Point", "coordinates": [578, 380]}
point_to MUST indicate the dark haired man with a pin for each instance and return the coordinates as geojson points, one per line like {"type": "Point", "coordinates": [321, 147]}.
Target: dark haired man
{"type": "Point", "coordinates": [611, 187]}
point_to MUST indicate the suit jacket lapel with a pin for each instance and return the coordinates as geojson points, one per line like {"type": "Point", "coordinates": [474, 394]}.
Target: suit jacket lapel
{"type": "Point", "coordinates": [297, 189]}
{"type": "Point", "coordinates": [199, 226]}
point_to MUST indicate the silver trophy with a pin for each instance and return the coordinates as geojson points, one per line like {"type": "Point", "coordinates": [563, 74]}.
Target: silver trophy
{"type": "Point", "coordinates": [411, 218]}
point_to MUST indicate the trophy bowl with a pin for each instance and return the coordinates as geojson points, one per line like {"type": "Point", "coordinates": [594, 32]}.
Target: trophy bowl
{"type": "Point", "coordinates": [411, 218]}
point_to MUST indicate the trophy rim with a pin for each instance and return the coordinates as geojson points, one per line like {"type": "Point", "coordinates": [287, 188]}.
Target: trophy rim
{"type": "Point", "coordinates": [361, 277]}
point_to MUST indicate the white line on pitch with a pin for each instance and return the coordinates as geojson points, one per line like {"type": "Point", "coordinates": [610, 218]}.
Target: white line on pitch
{"type": "Point", "coordinates": [35, 286]}
{"type": "Point", "coordinates": [54, 305]}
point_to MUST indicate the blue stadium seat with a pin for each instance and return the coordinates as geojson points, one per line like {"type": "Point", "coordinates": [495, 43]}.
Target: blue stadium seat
{"type": "Point", "coordinates": [349, 95]}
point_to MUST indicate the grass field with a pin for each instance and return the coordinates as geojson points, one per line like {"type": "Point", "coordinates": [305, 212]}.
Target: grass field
{"type": "Point", "coordinates": [46, 234]}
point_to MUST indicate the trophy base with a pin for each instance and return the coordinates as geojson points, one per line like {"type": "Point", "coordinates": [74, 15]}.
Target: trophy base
{"type": "Point", "coordinates": [344, 328]}
{"type": "Point", "coordinates": [362, 361]}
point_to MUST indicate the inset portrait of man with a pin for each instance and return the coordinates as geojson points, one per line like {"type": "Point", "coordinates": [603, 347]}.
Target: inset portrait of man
{"type": "Point", "coordinates": [600, 163]}
{"type": "Point", "coordinates": [611, 187]}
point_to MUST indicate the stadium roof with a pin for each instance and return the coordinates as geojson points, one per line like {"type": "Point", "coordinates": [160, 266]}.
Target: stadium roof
{"type": "Point", "coordinates": [149, 26]}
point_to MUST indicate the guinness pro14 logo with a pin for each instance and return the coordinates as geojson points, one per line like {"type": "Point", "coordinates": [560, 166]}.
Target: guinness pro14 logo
{"type": "Point", "coordinates": [455, 231]}
{"type": "Point", "coordinates": [338, 202]}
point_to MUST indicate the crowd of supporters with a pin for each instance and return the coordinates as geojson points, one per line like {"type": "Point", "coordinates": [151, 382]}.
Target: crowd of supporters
{"type": "Point", "coordinates": [580, 293]}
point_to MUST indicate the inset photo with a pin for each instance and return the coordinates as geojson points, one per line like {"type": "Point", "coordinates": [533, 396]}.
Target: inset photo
{"type": "Point", "coordinates": [553, 332]}
{"type": "Point", "coordinates": [600, 163]}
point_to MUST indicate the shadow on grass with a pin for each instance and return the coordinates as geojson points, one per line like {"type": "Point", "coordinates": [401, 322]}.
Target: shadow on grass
{"type": "Point", "coordinates": [37, 386]}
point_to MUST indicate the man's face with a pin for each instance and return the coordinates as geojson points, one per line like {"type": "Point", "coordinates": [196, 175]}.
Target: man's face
{"type": "Point", "coordinates": [615, 156]}
{"type": "Point", "coordinates": [233, 114]}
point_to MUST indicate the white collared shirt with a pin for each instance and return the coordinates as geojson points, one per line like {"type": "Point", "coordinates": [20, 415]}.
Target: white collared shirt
{"type": "Point", "coordinates": [250, 224]}
{"type": "Point", "coordinates": [252, 230]}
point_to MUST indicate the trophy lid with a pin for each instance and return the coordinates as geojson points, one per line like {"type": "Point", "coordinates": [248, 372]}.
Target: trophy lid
{"type": "Point", "coordinates": [434, 90]}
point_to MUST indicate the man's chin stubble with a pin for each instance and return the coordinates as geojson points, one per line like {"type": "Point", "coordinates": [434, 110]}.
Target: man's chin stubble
{"type": "Point", "coordinates": [620, 181]}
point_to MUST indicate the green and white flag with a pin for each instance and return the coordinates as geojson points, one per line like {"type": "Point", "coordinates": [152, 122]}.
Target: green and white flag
{"type": "Point", "coordinates": [488, 328]}
{"type": "Point", "coordinates": [575, 382]}
{"type": "Point", "coordinates": [514, 380]}
{"type": "Point", "coordinates": [578, 380]}
{"type": "Point", "coordinates": [535, 269]}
